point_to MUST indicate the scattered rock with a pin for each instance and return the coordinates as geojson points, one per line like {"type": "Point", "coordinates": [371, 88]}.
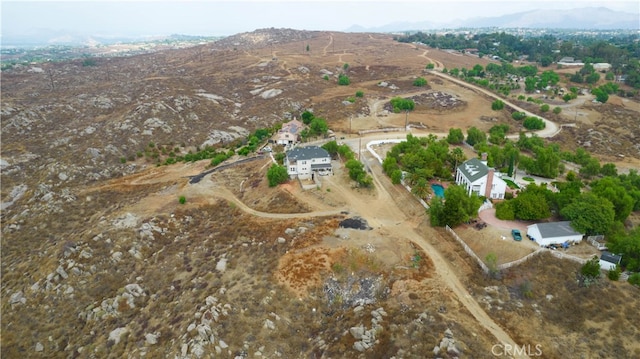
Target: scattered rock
{"type": "Point", "coordinates": [151, 339]}
{"type": "Point", "coordinates": [39, 347]}
{"type": "Point", "coordinates": [17, 298]}
{"type": "Point", "coordinates": [116, 334]}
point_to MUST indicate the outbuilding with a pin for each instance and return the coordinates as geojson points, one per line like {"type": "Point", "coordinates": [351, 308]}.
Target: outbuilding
{"type": "Point", "coordinates": [546, 234]}
{"type": "Point", "coordinates": [609, 261]}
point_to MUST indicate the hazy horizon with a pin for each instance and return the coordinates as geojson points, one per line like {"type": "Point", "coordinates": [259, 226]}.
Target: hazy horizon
{"type": "Point", "coordinates": [221, 18]}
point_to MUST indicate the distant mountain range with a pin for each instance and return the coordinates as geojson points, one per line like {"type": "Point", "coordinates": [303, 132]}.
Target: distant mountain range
{"type": "Point", "coordinates": [589, 18]}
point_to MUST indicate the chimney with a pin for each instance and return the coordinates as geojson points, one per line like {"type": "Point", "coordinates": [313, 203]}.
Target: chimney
{"type": "Point", "coordinates": [487, 190]}
{"type": "Point", "coordinates": [483, 158]}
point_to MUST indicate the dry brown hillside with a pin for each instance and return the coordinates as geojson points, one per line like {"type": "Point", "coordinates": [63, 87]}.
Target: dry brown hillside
{"type": "Point", "coordinates": [101, 260]}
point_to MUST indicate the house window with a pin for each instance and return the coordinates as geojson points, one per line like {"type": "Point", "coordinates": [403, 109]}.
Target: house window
{"type": "Point", "coordinates": [304, 162]}
{"type": "Point", "coordinates": [293, 169]}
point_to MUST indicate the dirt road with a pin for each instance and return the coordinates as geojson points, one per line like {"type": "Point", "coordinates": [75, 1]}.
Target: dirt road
{"type": "Point", "coordinates": [384, 214]}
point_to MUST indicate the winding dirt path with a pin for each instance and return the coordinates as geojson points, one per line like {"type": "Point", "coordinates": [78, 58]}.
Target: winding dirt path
{"type": "Point", "coordinates": [384, 214]}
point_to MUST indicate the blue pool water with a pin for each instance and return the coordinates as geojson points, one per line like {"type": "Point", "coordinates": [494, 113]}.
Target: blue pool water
{"type": "Point", "coordinates": [438, 190]}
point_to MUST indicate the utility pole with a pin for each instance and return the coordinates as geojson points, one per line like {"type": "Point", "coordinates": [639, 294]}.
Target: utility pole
{"type": "Point", "coordinates": [359, 148]}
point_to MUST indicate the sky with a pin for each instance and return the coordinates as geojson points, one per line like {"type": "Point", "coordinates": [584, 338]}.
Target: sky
{"type": "Point", "coordinates": [220, 18]}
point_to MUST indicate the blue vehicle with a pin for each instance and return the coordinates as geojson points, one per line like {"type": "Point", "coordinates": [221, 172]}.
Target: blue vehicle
{"type": "Point", "coordinates": [515, 233]}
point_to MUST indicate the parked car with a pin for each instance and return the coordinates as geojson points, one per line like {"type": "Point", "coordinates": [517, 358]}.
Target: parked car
{"type": "Point", "coordinates": [515, 233]}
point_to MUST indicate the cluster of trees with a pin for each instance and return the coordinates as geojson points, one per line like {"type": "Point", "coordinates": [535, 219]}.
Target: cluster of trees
{"type": "Point", "coordinates": [458, 208]}
{"type": "Point", "coordinates": [355, 167]}
{"type": "Point", "coordinates": [601, 207]}
{"type": "Point", "coordinates": [421, 159]}
{"type": "Point", "coordinates": [317, 126]}
{"type": "Point", "coordinates": [622, 52]}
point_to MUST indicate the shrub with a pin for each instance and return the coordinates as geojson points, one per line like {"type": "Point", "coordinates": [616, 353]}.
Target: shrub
{"type": "Point", "coordinates": [634, 279]}
{"type": "Point", "coordinates": [533, 123]}
{"type": "Point", "coordinates": [544, 108]}
{"type": "Point", "coordinates": [492, 263]}
{"type": "Point", "coordinates": [591, 269]}
{"type": "Point", "coordinates": [351, 99]}
{"type": "Point", "coordinates": [430, 66]}
{"type": "Point", "coordinates": [359, 94]}
{"type": "Point", "coordinates": [326, 77]}
{"type": "Point", "coordinates": [518, 115]}
{"type": "Point", "coordinates": [497, 105]}
{"type": "Point", "coordinates": [343, 80]}
{"type": "Point", "coordinates": [123, 160]}
{"type": "Point", "coordinates": [420, 81]}
{"type": "Point", "coordinates": [557, 110]}
{"type": "Point", "coordinates": [614, 274]}
{"type": "Point", "coordinates": [182, 200]}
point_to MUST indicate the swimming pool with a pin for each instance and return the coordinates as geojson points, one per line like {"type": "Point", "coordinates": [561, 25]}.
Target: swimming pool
{"type": "Point", "coordinates": [438, 190]}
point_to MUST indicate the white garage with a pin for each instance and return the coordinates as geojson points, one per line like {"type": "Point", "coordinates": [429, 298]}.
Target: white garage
{"type": "Point", "coordinates": [553, 233]}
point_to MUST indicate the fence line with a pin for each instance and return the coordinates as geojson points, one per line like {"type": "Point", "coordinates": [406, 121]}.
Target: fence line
{"type": "Point", "coordinates": [554, 253]}
{"type": "Point", "coordinates": [468, 249]}
{"type": "Point", "coordinates": [390, 129]}
{"type": "Point", "coordinates": [521, 260]}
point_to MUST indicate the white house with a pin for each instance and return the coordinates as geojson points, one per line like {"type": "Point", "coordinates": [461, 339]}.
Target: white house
{"type": "Point", "coordinates": [289, 133]}
{"type": "Point", "coordinates": [476, 177]}
{"type": "Point", "coordinates": [305, 162]}
{"type": "Point", "coordinates": [609, 261]}
{"type": "Point", "coordinates": [553, 233]}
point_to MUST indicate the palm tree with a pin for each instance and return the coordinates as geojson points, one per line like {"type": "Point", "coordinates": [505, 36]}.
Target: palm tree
{"type": "Point", "coordinates": [456, 156]}
{"type": "Point", "coordinates": [421, 188]}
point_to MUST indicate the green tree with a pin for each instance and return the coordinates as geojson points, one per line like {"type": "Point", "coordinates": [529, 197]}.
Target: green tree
{"type": "Point", "coordinates": [430, 66]}
{"type": "Point", "coordinates": [544, 108]}
{"type": "Point", "coordinates": [529, 84]}
{"type": "Point", "coordinates": [612, 189]}
{"type": "Point", "coordinates": [421, 189]}
{"type": "Point", "coordinates": [546, 60]}
{"type": "Point", "coordinates": [590, 214]}
{"type": "Point", "coordinates": [475, 136]}
{"type": "Point", "coordinates": [318, 126]}
{"type": "Point", "coordinates": [531, 203]}
{"type": "Point", "coordinates": [276, 175]}
{"type": "Point", "coordinates": [419, 82]}
{"type": "Point", "coordinates": [557, 110]}
{"type": "Point", "coordinates": [601, 95]}
{"type": "Point", "coordinates": [307, 117]}
{"type": "Point", "coordinates": [592, 78]}
{"type": "Point", "coordinates": [533, 123]}
{"type": "Point", "coordinates": [403, 104]}
{"type": "Point", "coordinates": [456, 157]}
{"type": "Point", "coordinates": [455, 136]}
{"type": "Point", "coordinates": [627, 245]}
{"type": "Point", "coordinates": [396, 176]}
{"type": "Point", "coordinates": [458, 207]}
{"type": "Point", "coordinates": [331, 147]}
